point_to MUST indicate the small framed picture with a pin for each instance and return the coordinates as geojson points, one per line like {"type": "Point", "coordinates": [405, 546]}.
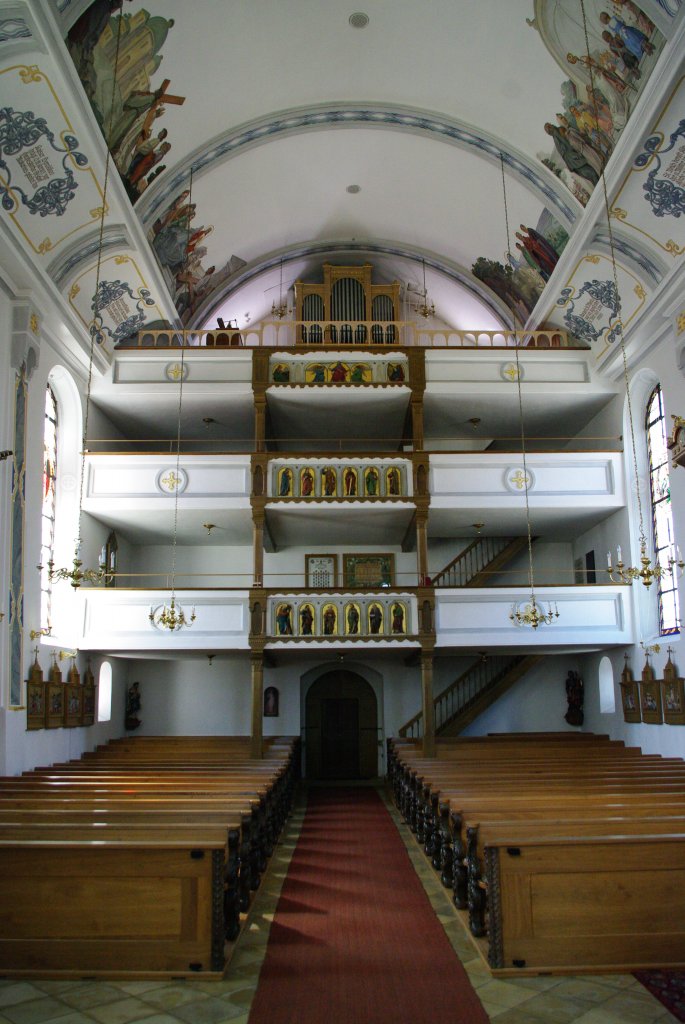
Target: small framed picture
{"type": "Point", "coordinates": [271, 702]}
{"type": "Point", "coordinates": [631, 701]}
{"type": "Point", "coordinates": [73, 705]}
{"type": "Point", "coordinates": [673, 701]}
{"type": "Point", "coordinates": [54, 716]}
{"type": "Point", "coordinates": [35, 705]}
{"type": "Point", "coordinates": [650, 700]}
{"type": "Point", "coordinates": [368, 570]}
{"type": "Point", "coordinates": [321, 571]}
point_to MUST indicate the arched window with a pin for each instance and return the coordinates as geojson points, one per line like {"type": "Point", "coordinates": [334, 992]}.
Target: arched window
{"type": "Point", "coordinates": [105, 692]}
{"type": "Point", "coordinates": [47, 543]}
{"type": "Point", "coordinates": [662, 514]}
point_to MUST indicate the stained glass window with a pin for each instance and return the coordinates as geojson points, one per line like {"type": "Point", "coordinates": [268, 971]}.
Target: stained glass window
{"type": "Point", "coordinates": [662, 514]}
{"type": "Point", "coordinates": [47, 545]}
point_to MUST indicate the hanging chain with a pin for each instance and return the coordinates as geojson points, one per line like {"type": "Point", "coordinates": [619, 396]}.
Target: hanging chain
{"type": "Point", "coordinates": [520, 398]}
{"type": "Point", "coordinates": [618, 320]}
{"type": "Point", "coordinates": [506, 211]}
{"type": "Point", "coordinates": [525, 475]}
{"type": "Point", "coordinates": [180, 406]}
{"type": "Point", "coordinates": [95, 328]}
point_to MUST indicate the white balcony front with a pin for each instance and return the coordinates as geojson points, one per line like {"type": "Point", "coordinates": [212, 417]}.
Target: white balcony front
{"type": "Point", "coordinates": [590, 617]}
{"type": "Point", "coordinates": [136, 495]}
{"type": "Point", "coordinates": [119, 620]}
{"type": "Point", "coordinates": [567, 491]}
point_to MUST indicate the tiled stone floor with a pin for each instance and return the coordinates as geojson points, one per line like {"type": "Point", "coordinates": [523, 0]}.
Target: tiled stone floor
{"type": "Point", "coordinates": [590, 999]}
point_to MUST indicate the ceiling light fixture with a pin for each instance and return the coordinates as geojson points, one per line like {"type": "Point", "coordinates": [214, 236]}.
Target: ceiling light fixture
{"type": "Point", "coordinates": [425, 308]}
{"type": "Point", "coordinates": [280, 310]}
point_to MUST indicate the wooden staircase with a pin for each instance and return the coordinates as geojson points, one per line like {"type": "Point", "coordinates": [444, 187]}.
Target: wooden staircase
{"type": "Point", "coordinates": [471, 693]}
{"type": "Point", "coordinates": [477, 563]}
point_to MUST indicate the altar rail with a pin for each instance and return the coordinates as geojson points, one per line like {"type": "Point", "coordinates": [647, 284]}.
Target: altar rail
{"type": "Point", "coordinates": [277, 334]}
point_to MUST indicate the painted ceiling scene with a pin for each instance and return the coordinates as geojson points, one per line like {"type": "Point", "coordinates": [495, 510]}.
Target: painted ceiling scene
{"type": "Point", "coordinates": [488, 156]}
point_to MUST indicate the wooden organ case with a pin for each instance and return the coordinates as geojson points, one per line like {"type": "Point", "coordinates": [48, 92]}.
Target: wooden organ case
{"type": "Point", "coordinates": [347, 309]}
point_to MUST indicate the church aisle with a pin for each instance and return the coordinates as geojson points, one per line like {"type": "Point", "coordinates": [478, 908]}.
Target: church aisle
{"type": "Point", "coordinates": [603, 999]}
{"type": "Point", "coordinates": [354, 936]}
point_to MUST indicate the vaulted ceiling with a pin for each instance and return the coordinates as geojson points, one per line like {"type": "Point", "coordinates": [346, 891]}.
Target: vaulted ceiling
{"type": "Point", "coordinates": [389, 134]}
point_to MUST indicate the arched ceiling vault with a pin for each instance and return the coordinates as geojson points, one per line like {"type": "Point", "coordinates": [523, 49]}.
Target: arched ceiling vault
{"type": "Point", "coordinates": [313, 140]}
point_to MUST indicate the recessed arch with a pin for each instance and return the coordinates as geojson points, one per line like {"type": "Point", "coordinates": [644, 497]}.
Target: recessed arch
{"type": "Point", "coordinates": [607, 695]}
{"type": "Point", "coordinates": [341, 726]}
{"type": "Point", "coordinates": [105, 692]}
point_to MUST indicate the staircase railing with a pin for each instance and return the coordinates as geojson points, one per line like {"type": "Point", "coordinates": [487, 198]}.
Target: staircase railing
{"type": "Point", "coordinates": [466, 688]}
{"type": "Point", "coordinates": [471, 561]}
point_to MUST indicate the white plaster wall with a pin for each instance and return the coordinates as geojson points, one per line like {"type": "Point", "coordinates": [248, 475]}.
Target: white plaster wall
{"type": "Point", "coordinates": [187, 696]}
{"type": "Point", "coordinates": [232, 562]}
{"type": "Point", "coordinates": [537, 703]}
{"type": "Point", "coordinates": [603, 432]}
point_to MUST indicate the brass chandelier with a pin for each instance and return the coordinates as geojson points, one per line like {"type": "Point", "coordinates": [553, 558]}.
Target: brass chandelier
{"type": "Point", "coordinates": [280, 310]}
{"type": "Point", "coordinates": [425, 308]}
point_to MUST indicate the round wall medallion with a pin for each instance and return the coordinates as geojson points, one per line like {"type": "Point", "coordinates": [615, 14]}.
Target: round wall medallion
{"type": "Point", "coordinates": [511, 372]}
{"type": "Point", "coordinates": [176, 371]}
{"type": "Point", "coordinates": [172, 480]}
{"type": "Point", "coordinates": [517, 481]}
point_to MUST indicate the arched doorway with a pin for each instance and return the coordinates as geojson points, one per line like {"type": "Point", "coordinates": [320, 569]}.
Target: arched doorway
{"type": "Point", "coordinates": [341, 727]}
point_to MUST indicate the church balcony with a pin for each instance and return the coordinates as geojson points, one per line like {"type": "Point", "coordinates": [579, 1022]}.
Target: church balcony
{"type": "Point", "coordinates": [118, 619]}
{"type": "Point", "coordinates": [343, 333]}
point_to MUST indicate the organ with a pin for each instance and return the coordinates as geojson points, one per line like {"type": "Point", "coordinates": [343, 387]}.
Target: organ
{"type": "Point", "coordinates": [347, 308]}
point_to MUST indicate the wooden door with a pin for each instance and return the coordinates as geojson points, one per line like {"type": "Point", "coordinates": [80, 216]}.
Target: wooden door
{"type": "Point", "coordinates": [340, 738]}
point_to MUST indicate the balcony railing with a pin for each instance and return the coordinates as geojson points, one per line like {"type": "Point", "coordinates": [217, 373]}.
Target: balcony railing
{"type": "Point", "coordinates": [346, 334]}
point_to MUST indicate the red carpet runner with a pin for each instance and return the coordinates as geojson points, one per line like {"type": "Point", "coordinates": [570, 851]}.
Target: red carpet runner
{"type": "Point", "coordinates": [355, 940]}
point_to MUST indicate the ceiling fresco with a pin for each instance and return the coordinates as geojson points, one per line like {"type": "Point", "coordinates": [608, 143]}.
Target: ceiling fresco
{"type": "Point", "coordinates": [236, 138]}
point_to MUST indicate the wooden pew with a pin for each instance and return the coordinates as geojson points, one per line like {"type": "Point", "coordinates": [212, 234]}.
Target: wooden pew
{"type": "Point", "coordinates": [536, 815]}
{"type": "Point", "coordinates": [157, 860]}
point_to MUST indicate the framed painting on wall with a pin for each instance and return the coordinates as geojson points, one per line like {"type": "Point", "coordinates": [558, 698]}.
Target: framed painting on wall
{"type": "Point", "coordinates": [321, 571]}
{"type": "Point", "coordinates": [368, 570]}
{"type": "Point", "coordinates": [650, 698]}
{"type": "Point", "coordinates": [673, 701]}
{"type": "Point", "coordinates": [630, 699]}
{"type": "Point", "coordinates": [54, 718]}
{"type": "Point", "coordinates": [35, 704]}
{"type": "Point", "coordinates": [672, 695]}
{"type": "Point", "coordinates": [73, 705]}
